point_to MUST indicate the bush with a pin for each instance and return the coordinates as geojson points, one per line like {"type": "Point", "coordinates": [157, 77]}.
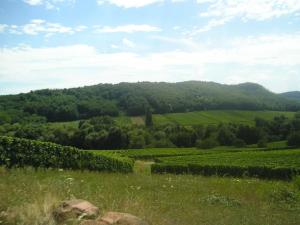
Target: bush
{"type": "Point", "coordinates": [239, 143]}
{"type": "Point", "coordinates": [262, 143]}
{"type": "Point", "coordinates": [207, 143]}
{"type": "Point", "coordinates": [294, 139]}
{"type": "Point", "coordinates": [17, 152]}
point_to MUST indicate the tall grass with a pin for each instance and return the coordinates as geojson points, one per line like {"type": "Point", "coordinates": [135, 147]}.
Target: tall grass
{"type": "Point", "coordinates": [27, 197]}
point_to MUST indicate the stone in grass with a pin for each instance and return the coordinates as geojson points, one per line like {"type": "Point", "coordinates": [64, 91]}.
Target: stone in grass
{"type": "Point", "coordinates": [75, 209]}
{"type": "Point", "coordinates": [116, 218]}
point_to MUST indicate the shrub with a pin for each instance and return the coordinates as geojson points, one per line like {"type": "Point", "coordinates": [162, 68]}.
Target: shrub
{"type": "Point", "coordinates": [239, 143]}
{"type": "Point", "coordinates": [207, 143]}
{"type": "Point", "coordinates": [294, 139]}
{"type": "Point", "coordinates": [17, 152]}
{"type": "Point", "coordinates": [262, 143]}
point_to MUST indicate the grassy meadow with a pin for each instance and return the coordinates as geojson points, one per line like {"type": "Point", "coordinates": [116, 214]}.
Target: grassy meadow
{"type": "Point", "coordinates": [27, 196]}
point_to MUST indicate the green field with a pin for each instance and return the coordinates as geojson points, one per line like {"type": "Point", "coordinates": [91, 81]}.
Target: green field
{"type": "Point", "coordinates": [276, 164]}
{"type": "Point", "coordinates": [257, 162]}
{"type": "Point", "coordinates": [28, 196]}
{"type": "Point", "coordinates": [274, 159]}
{"type": "Point", "coordinates": [153, 153]}
{"type": "Point", "coordinates": [217, 116]}
{"type": "Point", "coordinates": [196, 118]}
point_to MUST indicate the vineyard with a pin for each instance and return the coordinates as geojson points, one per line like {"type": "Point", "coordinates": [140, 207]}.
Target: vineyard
{"type": "Point", "coordinates": [150, 153]}
{"type": "Point", "coordinates": [217, 116]}
{"type": "Point", "coordinates": [254, 162]}
{"type": "Point", "coordinates": [279, 164]}
{"type": "Point", "coordinates": [15, 152]}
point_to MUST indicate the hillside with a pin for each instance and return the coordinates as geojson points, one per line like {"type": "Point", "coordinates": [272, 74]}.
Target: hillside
{"type": "Point", "coordinates": [133, 98]}
{"type": "Point", "coordinates": [218, 116]}
{"type": "Point", "coordinates": [293, 95]}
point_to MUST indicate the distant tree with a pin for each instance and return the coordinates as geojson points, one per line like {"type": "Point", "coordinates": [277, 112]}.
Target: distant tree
{"type": "Point", "coordinates": [207, 143]}
{"type": "Point", "coordinates": [251, 135]}
{"type": "Point", "coordinates": [226, 136]}
{"type": "Point", "coordinates": [294, 139]}
{"type": "Point", "coordinates": [148, 118]}
{"type": "Point", "coordinates": [239, 143]}
{"type": "Point", "coordinates": [262, 143]}
{"type": "Point", "coordinates": [4, 118]}
{"type": "Point", "coordinates": [137, 142]}
{"type": "Point", "coordinates": [297, 115]}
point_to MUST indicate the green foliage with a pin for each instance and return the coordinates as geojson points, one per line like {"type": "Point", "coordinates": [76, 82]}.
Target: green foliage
{"type": "Point", "coordinates": [4, 118]}
{"type": "Point", "coordinates": [148, 118]}
{"type": "Point", "coordinates": [226, 136]}
{"type": "Point", "coordinates": [218, 116]}
{"type": "Point", "coordinates": [15, 152]}
{"type": "Point", "coordinates": [294, 139]}
{"type": "Point", "coordinates": [106, 132]}
{"type": "Point", "coordinates": [153, 153]}
{"type": "Point", "coordinates": [282, 164]}
{"type": "Point", "coordinates": [297, 182]}
{"type": "Point", "coordinates": [239, 143]}
{"type": "Point", "coordinates": [262, 143]}
{"type": "Point", "coordinates": [207, 143]}
{"type": "Point", "coordinates": [133, 98]}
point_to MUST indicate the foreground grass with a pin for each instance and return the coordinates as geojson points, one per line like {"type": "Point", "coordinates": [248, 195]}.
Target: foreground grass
{"type": "Point", "coordinates": [27, 197]}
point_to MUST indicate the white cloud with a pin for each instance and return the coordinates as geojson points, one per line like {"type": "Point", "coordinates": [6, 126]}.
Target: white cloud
{"type": "Point", "coordinates": [251, 10]}
{"type": "Point", "coordinates": [211, 24]}
{"type": "Point", "coordinates": [130, 28]}
{"type": "Point", "coordinates": [48, 4]}
{"type": "Point", "coordinates": [129, 3]}
{"type": "Point", "coordinates": [3, 27]}
{"type": "Point", "coordinates": [128, 43]}
{"type": "Point", "coordinates": [223, 11]}
{"type": "Point", "coordinates": [79, 65]}
{"type": "Point", "coordinates": [33, 2]}
{"type": "Point", "coordinates": [181, 42]}
{"type": "Point", "coordinates": [38, 26]}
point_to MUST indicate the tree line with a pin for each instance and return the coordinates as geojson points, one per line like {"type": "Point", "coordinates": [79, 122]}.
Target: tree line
{"type": "Point", "coordinates": [133, 98]}
{"type": "Point", "coordinates": [104, 132]}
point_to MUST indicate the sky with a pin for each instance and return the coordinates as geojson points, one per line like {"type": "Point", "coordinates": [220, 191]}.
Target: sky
{"type": "Point", "coordinates": [71, 43]}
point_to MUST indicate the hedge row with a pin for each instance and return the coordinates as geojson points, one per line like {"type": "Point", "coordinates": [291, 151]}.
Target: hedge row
{"type": "Point", "coordinates": [17, 152]}
{"type": "Point", "coordinates": [224, 170]}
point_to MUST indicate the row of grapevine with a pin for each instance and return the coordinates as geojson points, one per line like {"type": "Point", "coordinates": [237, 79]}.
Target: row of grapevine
{"type": "Point", "coordinates": [276, 164]}
{"type": "Point", "coordinates": [16, 152]}
{"type": "Point", "coordinates": [224, 170]}
{"type": "Point", "coordinates": [155, 153]}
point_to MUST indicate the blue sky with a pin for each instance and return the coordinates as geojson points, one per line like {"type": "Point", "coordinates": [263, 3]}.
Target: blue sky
{"type": "Point", "coordinates": [70, 43]}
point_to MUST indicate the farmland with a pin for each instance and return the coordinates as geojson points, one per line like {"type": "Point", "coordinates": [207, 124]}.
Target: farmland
{"type": "Point", "coordinates": [217, 116]}
{"type": "Point", "coordinates": [278, 158]}
{"type": "Point", "coordinates": [279, 164]}
{"type": "Point", "coordinates": [154, 153]}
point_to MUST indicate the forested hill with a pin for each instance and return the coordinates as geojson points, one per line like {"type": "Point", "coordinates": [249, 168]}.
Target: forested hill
{"type": "Point", "coordinates": [133, 98]}
{"type": "Point", "coordinates": [293, 95]}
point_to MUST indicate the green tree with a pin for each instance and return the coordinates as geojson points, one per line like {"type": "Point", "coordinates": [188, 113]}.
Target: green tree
{"type": "Point", "coordinates": [148, 118]}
